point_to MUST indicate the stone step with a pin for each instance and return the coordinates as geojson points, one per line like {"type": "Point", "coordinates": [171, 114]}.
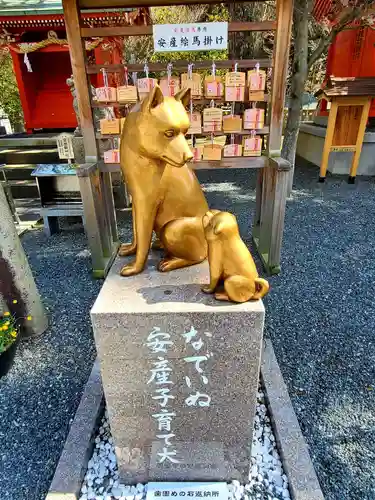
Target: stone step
{"type": "Point", "coordinates": [24, 189]}
{"type": "Point", "coordinates": [17, 156]}
{"type": "Point", "coordinates": [20, 172]}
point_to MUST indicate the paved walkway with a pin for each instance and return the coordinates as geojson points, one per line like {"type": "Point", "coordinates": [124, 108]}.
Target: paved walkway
{"type": "Point", "coordinates": [320, 316]}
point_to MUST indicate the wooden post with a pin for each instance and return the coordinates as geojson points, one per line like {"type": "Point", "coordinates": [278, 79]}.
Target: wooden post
{"type": "Point", "coordinates": [328, 140]}
{"type": "Point", "coordinates": [18, 292]}
{"type": "Point", "coordinates": [77, 56]}
{"type": "Point", "coordinates": [272, 183]}
{"type": "Point", "coordinates": [359, 142]}
{"type": "Point", "coordinates": [279, 73]}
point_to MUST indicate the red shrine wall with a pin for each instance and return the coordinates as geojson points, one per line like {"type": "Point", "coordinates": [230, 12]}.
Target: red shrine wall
{"type": "Point", "coordinates": [45, 97]}
{"type": "Point", "coordinates": [352, 54]}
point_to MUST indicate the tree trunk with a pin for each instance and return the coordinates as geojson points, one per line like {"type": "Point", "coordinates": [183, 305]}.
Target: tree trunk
{"type": "Point", "coordinates": [302, 9]}
{"type": "Point", "coordinates": [16, 280]}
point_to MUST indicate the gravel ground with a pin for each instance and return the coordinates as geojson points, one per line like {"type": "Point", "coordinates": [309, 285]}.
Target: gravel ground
{"type": "Point", "coordinates": [267, 480]}
{"type": "Point", "coordinates": [320, 317]}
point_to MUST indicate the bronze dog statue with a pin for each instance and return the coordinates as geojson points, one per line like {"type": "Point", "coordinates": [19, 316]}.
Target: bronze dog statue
{"type": "Point", "coordinates": [166, 194]}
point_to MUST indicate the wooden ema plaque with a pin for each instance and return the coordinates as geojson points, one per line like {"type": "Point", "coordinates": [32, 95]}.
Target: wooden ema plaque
{"type": "Point", "coordinates": [235, 82]}
{"type": "Point", "coordinates": [127, 93]}
{"type": "Point", "coordinates": [195, 123]}
{"type": "Point", "coordinates": [213, 87]}
{"type": "Point", "coordinates": [232, 124]}
{"type": "Point", "coordinates": [106, 94]}
{"type": "Point", "coordinates": [171, 87]}
{"type": "Point", "coordinates": [212, 152]}
{"type": "Point", "coordinates": [253, 118]}
{"type": "Point", "coordinates": [194, 83]}
{"type": "Point", "coordinates": [145, 85]}
{"type": "Point", "coordinates": [252, 145]}
{"type": "Point", "coordinates": [232, 150]}
{"type": "Point", "coordinates": [212, 119]}
{"type": "Point", "coordinates": [108, 127]}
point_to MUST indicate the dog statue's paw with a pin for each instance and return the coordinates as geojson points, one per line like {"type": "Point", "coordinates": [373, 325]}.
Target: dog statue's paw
{"type": "Point", "coordinates": [207, 289]}
{"type": "Point", "coordinates": [130, 270]}
{"type": "Point", "coordinates": [127, 249]}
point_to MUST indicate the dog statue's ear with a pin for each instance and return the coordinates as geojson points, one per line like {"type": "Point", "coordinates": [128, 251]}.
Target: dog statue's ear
{"type": "Point", "coordinates": [219, 226]}
{"type": "Point", "coordinates": [154, 98]}
{"type": "Point", "coordinates": [184, 96]}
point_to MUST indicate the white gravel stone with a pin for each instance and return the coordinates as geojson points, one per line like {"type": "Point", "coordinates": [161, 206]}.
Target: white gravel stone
{"type": "Point", "coordinates": [267, 480]}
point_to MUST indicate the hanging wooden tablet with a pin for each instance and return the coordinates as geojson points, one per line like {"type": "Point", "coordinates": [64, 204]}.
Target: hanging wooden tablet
{"type": "Point", "coordinates": [195, 123]}
{"type": "Point", "coordinates": [194, 83]}
{"type": "Point", "coordinates": [213, 87]}
{"type": "Point", "coordinates": [235, 86]}
{"type": "Point", "coordinates": [212, 119]}
{"type": "Point", "coordinates": [252, 145]}
{"type": "Point", "coordinates": [253, 118]}
{"type": "Point", "coordinates": [171, 86]}
{"type": "Point", "coordinates": [232, 123]}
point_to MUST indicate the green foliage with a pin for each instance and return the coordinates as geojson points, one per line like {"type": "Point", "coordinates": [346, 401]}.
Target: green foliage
{"type": "Point", "coordinates": [10, 102]}
{"type": "Point", "coordinates": [8, 331]}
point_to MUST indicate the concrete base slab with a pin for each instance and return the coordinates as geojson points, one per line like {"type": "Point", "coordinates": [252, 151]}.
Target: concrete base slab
{"type": "Point", "coordinates": [310, 147]}
{"type": "Point", "coordinates": [297, 463]}
{"type": "Point", "coordinates": [303, 482]}
{"type": "Point", "coordinates": [72, 466]}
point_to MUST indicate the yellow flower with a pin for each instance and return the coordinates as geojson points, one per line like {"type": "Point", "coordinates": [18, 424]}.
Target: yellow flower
{"type": "Point", "coordinates": [7, 323]}
{"type": "Point", "coordinates": [7, 313]}
{"type": "Point", "coordinates": [15, 301]}
{"type": "Point", "coordinates": [5, 328]}
{"type": "Point", "coordinates": [29, 318]}
{"type": "Point", "coordinates": [13, 333]}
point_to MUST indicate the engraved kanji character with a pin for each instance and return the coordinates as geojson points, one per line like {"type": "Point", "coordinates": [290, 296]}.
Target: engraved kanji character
{"type": "Point", "coordinates": [168, 455]}
{"type": "Point", "coordinates": [184, 41]}
{"type": "Point", "coordinates": [207, 494]}
{"type": "Point", "coordinates": [164, 396]}
{"type": "Point", "coordinates": [161, 372]}
{"type": "Point", "coordinates": [219, 40]}
{"type": "Point", "coordinates": [164, 419]}
{"type": "Point", "coordinates": [158, 341]}
{"type": "Point", "coordinates": [215, 493]}
{"type": "Point", "coordinates": [173, 42]}
{"type": "Point", "coordinates": [165, 493]}
{"type": "Point", "coordinates": [162, 42]}
{"type": "Point", "coordinates": [157, 493]}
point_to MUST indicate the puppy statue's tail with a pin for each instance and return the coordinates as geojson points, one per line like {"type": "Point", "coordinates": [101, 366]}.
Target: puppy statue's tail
{"type": "Point", "coordinates": [262, 288]}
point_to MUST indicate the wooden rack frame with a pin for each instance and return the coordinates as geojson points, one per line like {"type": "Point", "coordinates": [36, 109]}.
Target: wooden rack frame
{"type": "Point", "coordinates": [272, 180]}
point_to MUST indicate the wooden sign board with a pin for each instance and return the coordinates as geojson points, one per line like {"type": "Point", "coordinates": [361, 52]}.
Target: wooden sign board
{"type": "Point", "coordinates": [65, 146]}
{"type": "Point", "coordinates": [189, 37]}
{"type": "Point", "coordinates": [342, 149]}
{"type": "Point", "coordinates": [187, 491]}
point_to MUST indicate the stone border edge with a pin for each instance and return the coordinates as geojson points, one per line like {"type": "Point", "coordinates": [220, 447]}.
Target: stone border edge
{"type": "Point", "coordinates": [71, 468]}
{"type": "Point", "coordinates": [303, 482]}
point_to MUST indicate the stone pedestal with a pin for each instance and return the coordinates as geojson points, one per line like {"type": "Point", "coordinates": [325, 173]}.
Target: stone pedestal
{"type": "Point", "coordinates": [180, 375]}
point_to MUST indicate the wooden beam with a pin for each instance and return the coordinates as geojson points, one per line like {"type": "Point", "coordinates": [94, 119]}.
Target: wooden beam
{"type": "Point", "coordinates": [147, 30]}
{"type": "Point", "coordinates": [77, 58]}
{"type": "Point", "coordinates": [181, 65]}
{"type": "Point", "coordinates": [279, 74]}
{"type": "Point", "coordinates": [104, 4]}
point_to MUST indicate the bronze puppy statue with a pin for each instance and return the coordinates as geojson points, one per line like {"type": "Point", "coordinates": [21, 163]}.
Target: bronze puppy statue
{"type": "Point", "coordinates": [233, 274]}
